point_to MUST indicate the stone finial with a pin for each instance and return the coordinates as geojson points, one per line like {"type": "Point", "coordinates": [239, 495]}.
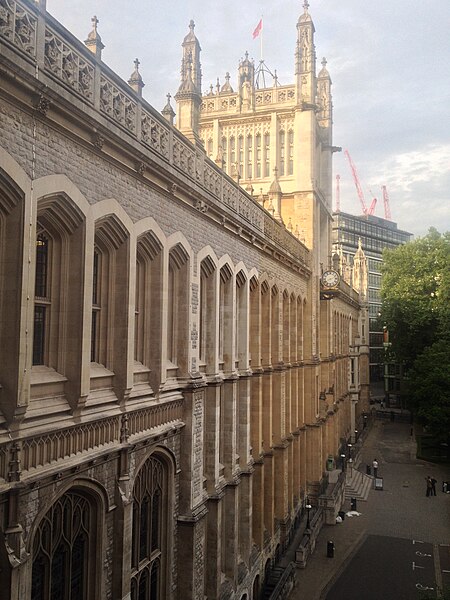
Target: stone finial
{"type": "Point", "coordinates": [218, 86]}
{"type": "Point", "coordinates": [94, 41]}
{"type": "Point", "coordinates": [306, 6]}
{"type": "Point", "coordinates": [324, 62]}
{"type": "Point", "coordinates": [167, 112]}
{"type": "Point", "coordinates": [249, 189]}
{"type": "Point", "coordinates": [227, 86]}
{"type": "Point", "coordinates": [135, 81]}
{"type": "Point", "coordinates": [261, 197]}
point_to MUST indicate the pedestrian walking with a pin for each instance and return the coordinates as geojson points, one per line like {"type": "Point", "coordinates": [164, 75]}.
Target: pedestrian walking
{"type": "Point", "coordinates": [375, 467]}
{"type": "Point", "coordinates": [433, 486]}
{"type": "Point", "coordinates": [429, 486]}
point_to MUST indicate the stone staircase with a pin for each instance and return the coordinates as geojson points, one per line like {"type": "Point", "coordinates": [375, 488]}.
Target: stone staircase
{"type": "Point", "coordinates": [358, 485]}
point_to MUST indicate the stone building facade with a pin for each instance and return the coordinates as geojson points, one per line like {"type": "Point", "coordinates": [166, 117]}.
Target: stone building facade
{"type": "Point", "coordinates": [172, 378]}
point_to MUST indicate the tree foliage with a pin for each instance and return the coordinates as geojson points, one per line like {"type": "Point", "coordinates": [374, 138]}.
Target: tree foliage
{"type": "Point", "coordinates": [416, 311]}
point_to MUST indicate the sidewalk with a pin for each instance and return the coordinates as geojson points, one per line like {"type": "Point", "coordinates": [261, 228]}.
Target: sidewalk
{"type": "Point", "coordinates": [400, 510]}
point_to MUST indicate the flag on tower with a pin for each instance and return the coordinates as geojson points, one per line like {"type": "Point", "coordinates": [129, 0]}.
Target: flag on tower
{"type": "Point", "coordinates": [257, 29]}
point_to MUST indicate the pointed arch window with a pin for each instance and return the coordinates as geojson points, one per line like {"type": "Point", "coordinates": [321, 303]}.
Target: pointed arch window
{"type": "Point", "coordinates": [210, 148]}
{"type": "Point", "coordinates": [266, 154]}
{"type": "Point", "coordinates": [232, 154]}
{"type": "Point", "coordinates": [240, 156]}
{"type": "Point", "coordinates": [258, 156]}
{"type": "Point", "coordinates": [64, 551]}
{"type": "Point", "coordinates": [148, 541]}
{"type": "Point", "coordinates": [291, 152]}
{"type": "Point", "coordinates": [249, 157]}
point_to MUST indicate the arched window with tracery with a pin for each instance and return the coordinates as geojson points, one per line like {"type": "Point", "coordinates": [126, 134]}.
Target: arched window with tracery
{"type": "Point", "coordinates": [64, 551]}
{"type": "Point", "coordinates": [148, 545]}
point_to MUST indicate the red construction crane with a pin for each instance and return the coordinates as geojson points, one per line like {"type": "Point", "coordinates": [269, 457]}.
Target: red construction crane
{"type": "Point", "coordinates": [387, 208]}
{"type": "Point", "coordinates": [338, 194]}
{"type": "Point", "coordinates": [357, 184]}
{"type": "Point", "coordinates": [372, 207]}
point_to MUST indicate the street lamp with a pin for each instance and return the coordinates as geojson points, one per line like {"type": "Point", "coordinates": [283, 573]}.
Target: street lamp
{"type": "Point", "coordinates": [308, 510]}
{"type": "Point", "coordinates": [349, 446]}
{"type": "Point", "coordinates": [343, 462]}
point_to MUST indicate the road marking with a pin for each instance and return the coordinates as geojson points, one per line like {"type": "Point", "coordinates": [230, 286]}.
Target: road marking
{"type": "Point", "coordinates": [437, 566]}
{"type": "Point", "coordinates": [417, 542]}
{"type": "Point", "coordinates": [423, 588]}
{"type": "Point", "coordinates": [422, 554]}
{"type": "Point", "coordinates": [416, 566]}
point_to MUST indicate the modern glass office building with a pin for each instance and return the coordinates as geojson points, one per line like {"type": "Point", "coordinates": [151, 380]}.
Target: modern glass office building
{"type": "Point", "coordinates": [375, 234]}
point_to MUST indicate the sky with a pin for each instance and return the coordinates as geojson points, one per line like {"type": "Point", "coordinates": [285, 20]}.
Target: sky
{"type": "Point", "coordinates": [388, 60]}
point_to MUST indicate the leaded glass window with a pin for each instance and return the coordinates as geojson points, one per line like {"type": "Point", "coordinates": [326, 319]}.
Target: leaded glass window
{"type": "Point", "coordinates": [147, 553]}
{"type": "Point", "coordinates": [64, 551]}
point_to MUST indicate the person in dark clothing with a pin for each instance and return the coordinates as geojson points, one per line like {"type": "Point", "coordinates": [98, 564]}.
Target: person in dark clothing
{"type": "Point", "coordinates": [433, 486]}
{"type": "Point", "coordinates": [429, 486]}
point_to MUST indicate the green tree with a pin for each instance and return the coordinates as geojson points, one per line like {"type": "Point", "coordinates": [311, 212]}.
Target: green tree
{"type": "Point", "coordinates": [416, 295]}
{"type": "Point", "coordinates": [429, 388]}
{"type": "Point", "coordinates": [416, 311]}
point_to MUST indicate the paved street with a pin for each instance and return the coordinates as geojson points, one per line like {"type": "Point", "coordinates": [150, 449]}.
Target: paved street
{"type": "Point", "coordinates": [399, 545]}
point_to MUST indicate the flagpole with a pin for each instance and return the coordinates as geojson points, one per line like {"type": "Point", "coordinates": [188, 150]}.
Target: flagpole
{"type": "Point", "coordinates": [261, 38]}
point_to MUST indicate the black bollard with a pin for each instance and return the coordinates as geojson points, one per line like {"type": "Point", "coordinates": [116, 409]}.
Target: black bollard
{"type": "Point", "coordinates": [353, 503]}
{"type": "Point", "coordinates": [330, 549]}
{"type": "Point", "coordinates": [368, 470]}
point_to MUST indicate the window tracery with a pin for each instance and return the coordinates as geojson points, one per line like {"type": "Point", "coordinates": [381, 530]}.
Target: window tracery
{"type": "Point", "coordinates": [64, 551]}
{"type": "Point", "coordinates": [149, 497]}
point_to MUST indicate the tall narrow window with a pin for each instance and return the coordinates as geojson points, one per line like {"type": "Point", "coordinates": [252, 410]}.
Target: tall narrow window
{"type": "Point", "coordinates": [210, 148]}
{"type": "Point", "coordinates": [291, 152]}
{"type": "Point", "coordinates": [42, 299]}
{"type": "Point", "coordinates": [266, 154]}
{"type": "Point", "coordinates": [225, 318]}
{"type": "Point", "coordinates": [258, 156]}
{"type": "Point", "coordinates": [95, 307]}
{"type": "Point", "coordinates": [232, 155]}
{"type": "Point", "coordinates": [64, 551]}
{"type": "Point", "coordinates": [249, 157]}
{"type": "Point", "coordinates": [240, 168]}
{"type": "Point", "coordinates": [149, 515]}
{"type": "Point", "coordinates": [172, 314]}
{"type": "Point", "coordinates": [224, 153]}
{"type": "Point", "coordinates": [207, 313]}
{"type": "Point", "coordinates": [282, 150]}
{"type": "Point", "coordinates": [177, 309]}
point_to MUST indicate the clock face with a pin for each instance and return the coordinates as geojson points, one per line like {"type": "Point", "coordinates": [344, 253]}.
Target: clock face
{"type": "Point", "coordinates": [330, 279]}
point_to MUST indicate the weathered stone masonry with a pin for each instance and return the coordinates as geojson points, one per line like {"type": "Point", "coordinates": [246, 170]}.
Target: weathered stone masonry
{"type": "Point", "coordinates": [166, 403]}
